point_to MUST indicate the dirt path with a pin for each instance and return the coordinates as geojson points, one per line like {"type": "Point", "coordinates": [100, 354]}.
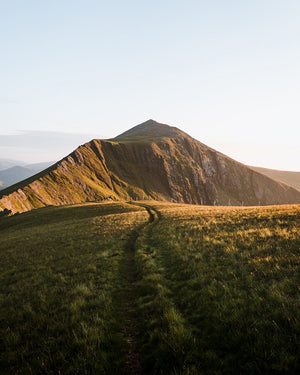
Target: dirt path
{"type": "Point", "coordinates": [128, 312]}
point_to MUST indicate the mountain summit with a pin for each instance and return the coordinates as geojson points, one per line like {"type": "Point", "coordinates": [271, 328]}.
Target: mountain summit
{"type": "Point", "coordinates": [151, 129]}
{"type": "Point", "coordinates": [149, 161]}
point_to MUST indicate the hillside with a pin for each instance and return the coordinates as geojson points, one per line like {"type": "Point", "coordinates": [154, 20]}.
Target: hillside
{"type": "Point", "coordinates": [150, 288]}
{"type": "Point", "coordinates": [150, 161]}
{"type": "Point", "coordinates": [289, 178]}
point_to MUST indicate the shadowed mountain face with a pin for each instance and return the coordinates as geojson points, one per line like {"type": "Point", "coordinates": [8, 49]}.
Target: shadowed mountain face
{"type": "Point", "coordinates": [149, 161]}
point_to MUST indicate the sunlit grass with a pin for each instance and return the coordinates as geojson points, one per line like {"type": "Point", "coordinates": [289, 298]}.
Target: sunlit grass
{"type": "Point", "coordinates": [216, 289]}
{"type": "Point", "coordinates": [228, 279]}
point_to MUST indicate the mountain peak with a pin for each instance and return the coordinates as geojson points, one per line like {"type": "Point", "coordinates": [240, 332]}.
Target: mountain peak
{"type": "Point", "coordinates": [150, 122]}
{"type": "Point", "coordinates": [151, 129]}
{"type": "Point", "coordinates": [149, 161]}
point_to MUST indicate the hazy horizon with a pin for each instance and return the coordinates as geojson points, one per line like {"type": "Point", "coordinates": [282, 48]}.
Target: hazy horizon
{"type": "Point", "coordinates": [227, 73]}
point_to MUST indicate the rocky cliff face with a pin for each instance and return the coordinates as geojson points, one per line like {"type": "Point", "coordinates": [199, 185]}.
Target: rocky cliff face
{"type": "Point", "coordinates": [150, 161]}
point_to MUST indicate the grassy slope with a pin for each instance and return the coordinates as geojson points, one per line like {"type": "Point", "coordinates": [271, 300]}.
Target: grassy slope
{"type": "Point", "coordinates": [222, 286]}
{"type": "Point", "coordinates": [216, 289]}
{"type": "Point", "coordinates": [59, 281]}
{"type": "Point", "coordinates": [290, 178]}
{"type": "Point", "coordinates": [80, 177]}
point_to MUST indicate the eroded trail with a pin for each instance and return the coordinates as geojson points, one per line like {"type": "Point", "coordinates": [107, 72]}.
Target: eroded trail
{"type": "Point", "coordinates": [128, 310]}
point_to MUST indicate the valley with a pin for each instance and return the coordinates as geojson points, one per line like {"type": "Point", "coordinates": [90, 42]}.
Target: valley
{"type": "Point", "coordinates": [150, 287]}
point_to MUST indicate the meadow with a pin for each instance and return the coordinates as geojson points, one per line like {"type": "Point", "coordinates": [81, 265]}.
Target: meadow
{"type": "Point", "coordinates": [59, 287]}
{"type": "Point", "coordinates": [219, 290]}
{"type": "Point", "coordinates": [179, 289]}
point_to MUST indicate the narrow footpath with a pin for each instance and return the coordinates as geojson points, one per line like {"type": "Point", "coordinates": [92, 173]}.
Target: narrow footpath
{"type": "Point", "coordinates": [128, 312]}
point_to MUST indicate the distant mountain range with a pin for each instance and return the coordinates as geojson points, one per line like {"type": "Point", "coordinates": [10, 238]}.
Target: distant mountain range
{"type": "Point", "coordinates": [8, 163]}
{"type": "Point", "coordinates": [18, 171]}
{"type": "Point", "coordinates": [149, 161]}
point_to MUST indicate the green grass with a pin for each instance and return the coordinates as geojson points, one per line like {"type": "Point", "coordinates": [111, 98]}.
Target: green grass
{"type": "Point", "coordinates": [59, 284]}
{"type": "Point", "coordinates": [219, 290]}
{"type": "Point", "coordinates": [210, 290]}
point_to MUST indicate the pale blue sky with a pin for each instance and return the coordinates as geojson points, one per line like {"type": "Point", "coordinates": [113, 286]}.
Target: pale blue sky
{"type": "Point", "coordinates": [226, 72]}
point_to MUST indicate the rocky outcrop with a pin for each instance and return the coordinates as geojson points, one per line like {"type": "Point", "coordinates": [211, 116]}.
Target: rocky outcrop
{"type": "Point", "coordinates": [150, 161]}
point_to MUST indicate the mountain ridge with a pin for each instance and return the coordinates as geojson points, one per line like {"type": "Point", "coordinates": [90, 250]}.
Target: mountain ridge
{"type": "Point", "coordinates": [291, 178]}
{"type": "Point", "coordinates": [149, 161]}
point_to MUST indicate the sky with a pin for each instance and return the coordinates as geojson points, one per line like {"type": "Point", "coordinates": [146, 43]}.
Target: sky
{"type": "Point", "coordinates": [225, 72]}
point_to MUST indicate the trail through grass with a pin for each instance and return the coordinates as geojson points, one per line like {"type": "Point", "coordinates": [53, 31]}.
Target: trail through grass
{"type": "Point", "coordinates": [150, 288]}
{"type": "Point", "coordinates": [59, 280]}
{"type": "Point", "coordinates": [219, 290]}
{"type": "Point", "coordinates": [127, 298]}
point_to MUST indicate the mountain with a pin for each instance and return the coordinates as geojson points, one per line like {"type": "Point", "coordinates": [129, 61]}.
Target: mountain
{"type": "Point", "coordinates": [290, 178]}
{"type": "Point", "coordinates": [149, 161]}
{"type": "Point", "coordinates": [14, 174]}
{"type": "Point", "coordinates": [8, 163]}
{"type": "Point", "coordinates": [18, 173]}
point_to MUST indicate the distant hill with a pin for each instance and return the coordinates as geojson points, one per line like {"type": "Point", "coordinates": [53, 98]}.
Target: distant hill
{"type": "Point", "coordinates": [8, 163]}
{"type": "Point", "coordinates": [38, 167]}
{"type": "Point", "coordinates": [290, 178]}
{"type": "Point", "coordinates": [14, 174]}
{"type": "Point", "coordinates": [150, 161]}
{"type": "Point", "coordinates": [18, 173]}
